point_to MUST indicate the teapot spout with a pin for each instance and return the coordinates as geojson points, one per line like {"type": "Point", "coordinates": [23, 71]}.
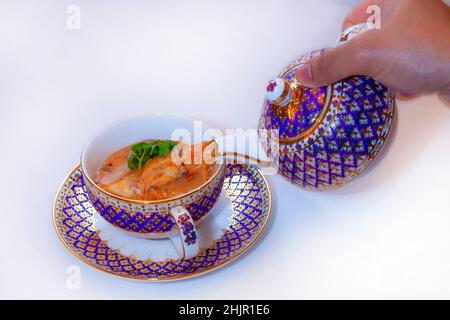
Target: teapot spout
{"type": "Point", "coordinates": [243, 147]}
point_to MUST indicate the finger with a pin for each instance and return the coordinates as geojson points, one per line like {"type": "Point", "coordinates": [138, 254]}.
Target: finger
{"type": "Point", "coordinates": [445, 98]}
{"type": "Point", "coordinates": [359, 13]}
{"type": "Point", "coordinates": [403, 96]}
{"type": "Point", "coordinates": [338, 63]}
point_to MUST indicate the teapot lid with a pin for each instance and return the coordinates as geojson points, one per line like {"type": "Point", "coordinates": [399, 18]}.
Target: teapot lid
{"type": "Point", "coordinates": [291, 108]}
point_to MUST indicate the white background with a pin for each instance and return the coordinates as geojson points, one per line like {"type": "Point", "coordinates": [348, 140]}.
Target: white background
{"type": "Point", "coordinates": [385, 236]}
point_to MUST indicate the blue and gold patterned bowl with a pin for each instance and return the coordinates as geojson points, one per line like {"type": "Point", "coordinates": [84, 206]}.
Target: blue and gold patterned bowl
{"type": "Point", "coordinates": [150, 219]}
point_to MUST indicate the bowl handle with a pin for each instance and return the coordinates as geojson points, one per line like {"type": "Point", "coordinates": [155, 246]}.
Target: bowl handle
{"type": "Point", "coordinates": [187, 230]}
{"type": "Point", "coordinates": [245, 147]}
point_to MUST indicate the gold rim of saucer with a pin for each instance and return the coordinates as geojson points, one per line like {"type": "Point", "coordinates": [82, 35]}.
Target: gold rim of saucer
{"type": "Point", "coordinates": [168, 279]}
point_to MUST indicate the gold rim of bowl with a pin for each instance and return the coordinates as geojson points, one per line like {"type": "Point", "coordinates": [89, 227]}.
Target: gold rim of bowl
{"type": "Point", "coordinates": [147, 202]}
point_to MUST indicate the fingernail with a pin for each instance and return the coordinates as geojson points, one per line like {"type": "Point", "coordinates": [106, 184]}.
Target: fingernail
{"type": "Point", "coordinates": [304, 75]}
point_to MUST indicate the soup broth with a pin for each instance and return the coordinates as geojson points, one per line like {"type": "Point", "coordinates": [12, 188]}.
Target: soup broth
{"type": "Point", "coordinates": [161, 176]}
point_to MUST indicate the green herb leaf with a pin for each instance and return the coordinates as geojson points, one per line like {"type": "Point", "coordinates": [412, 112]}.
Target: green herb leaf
{"type": "Point", "coordinates": [133, 162]}
{"type": "Point", "coordinates": [143, 151]}
{"type": "Point", "coordinates": [163, 148]}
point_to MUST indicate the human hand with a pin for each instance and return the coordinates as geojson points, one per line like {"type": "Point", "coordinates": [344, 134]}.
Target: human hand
{"type": "Point", "coordinates": [410, 53]}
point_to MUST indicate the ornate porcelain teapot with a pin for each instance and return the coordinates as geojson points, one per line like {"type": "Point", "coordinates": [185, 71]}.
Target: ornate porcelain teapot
{"type": "Point", "coordinates": [327, 136]}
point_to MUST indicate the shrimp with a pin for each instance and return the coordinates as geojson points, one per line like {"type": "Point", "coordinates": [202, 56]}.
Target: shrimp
{"type": "Point", "coordinates": [161, 171]}
{"type": "Point", "coordinates": [114, 168]}
{"type": "Point", "coordinates": [161, 177]}
{"type": "Point", "coordinates": [199, 153]}
{"type": "Point", "coordinates": [131, 186]}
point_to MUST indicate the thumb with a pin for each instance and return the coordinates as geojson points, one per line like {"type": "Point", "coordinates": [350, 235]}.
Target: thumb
{"type": "Point", "coordinates": [336, 64]}
{"type": "Point", "coordinates": [445, 97]}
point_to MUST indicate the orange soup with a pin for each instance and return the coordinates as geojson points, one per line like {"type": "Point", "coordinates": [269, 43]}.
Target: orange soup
{"type": "Point", "coordinates": [149, 171]}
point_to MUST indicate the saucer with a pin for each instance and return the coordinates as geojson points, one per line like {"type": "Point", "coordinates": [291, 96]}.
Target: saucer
{"type": "Point", "coordinates": [241, 214]}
